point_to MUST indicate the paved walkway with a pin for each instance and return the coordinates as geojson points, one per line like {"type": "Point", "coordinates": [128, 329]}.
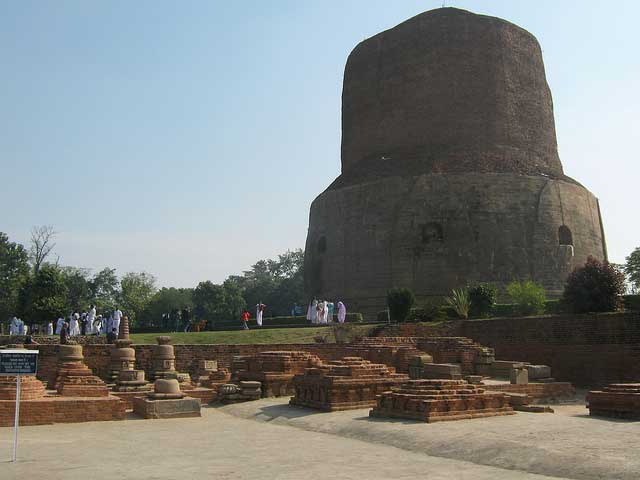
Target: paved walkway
{"type": "Point", "coordinates": [269, 440]}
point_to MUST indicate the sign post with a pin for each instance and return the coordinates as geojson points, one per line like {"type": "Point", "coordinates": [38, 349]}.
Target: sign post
{"type": "Point", "coordinates": [18, 362]}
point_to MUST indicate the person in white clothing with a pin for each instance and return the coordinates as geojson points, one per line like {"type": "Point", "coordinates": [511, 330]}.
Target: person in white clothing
{"type": "Point", "coordinates": [91, 318]}
{"type": "Point", "coordinates": [24, 329]}
{"type": "Point", "coordinates": [342, 312]}
{"type": "Point", "coordinates": [50, 328]}
{"type": "Point", "coordinates": [322, 312]}
{"type": "Point", "coordinates": [312, 313]}
{"type": "Point", "coordinates": [259, 312]}
{"type": "Point", "coordinates": [13, 326]}
{"type": "Point", "coordinates": [74, 324]}
{"type": "Point", "coordinates": [117, 316]}
{"type": "Point", "coordinates": [59, 325]}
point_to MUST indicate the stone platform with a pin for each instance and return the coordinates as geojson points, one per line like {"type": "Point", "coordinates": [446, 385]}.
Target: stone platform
{"type": "Point", "coordinates": [537, 392]}
{"type": "Point", "coordinates": [168, 408]}
{"type": "Point", "coordinates": [440, 400]}
{"type": "Point", "coordinates": [206, 395]}
{"type": "Point", "coordinates": [618, 400]}
{"type": "Point", "coordinates": [344, 384]}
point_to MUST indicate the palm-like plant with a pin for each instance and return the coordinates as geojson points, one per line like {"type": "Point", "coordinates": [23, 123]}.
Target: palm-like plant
{"type": "Point", "coordinates": [459, 301]}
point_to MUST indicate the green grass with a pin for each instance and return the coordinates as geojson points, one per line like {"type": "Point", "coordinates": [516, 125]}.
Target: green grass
{"type": "Point", "coordinates": [255, 336]}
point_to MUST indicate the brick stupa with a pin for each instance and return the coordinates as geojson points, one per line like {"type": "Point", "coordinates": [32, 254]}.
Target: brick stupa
{"type": "Point", "coordinates": [74, 378]}
{"type": "Point", "coordinates": [440, 400]}
{"type": "Point", "coordinates": [618, 400]}
{"type": "Point", "coordinates": [275, 370]}
{"type": "Point", "coordinates": [344, 384]}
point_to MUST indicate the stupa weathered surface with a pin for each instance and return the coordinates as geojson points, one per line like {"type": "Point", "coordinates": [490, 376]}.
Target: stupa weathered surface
{"type": "Point", "coordinates": [450, 168]}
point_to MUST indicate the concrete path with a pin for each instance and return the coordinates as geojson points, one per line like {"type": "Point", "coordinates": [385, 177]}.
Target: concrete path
{"type": "Point", "coordinates": [223, 446]}
{"type": "Point", "coordinates": [566, 444]}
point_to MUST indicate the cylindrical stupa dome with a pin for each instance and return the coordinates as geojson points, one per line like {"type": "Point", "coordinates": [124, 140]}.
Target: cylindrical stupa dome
{"type": "Point", "coordinates": [458, 91]}
{"type": "Point", "coordinates": [450, 169]}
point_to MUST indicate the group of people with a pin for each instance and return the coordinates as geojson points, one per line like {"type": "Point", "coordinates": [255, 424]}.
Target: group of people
{"type": "Point", "coordinates": [18, 327]}
{"type": "Point", "coordinates": [320, 312]}
{"type": "Point", "coordinates": [88, 323]}
{"type": "Point", "coordinates": [85, 323]}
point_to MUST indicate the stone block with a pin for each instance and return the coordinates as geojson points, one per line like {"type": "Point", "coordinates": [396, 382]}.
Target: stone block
{"type": "Point", "coordinates": [447, 371]}
{"type": "Point", "coordinates": [502, 368]}
{"type": "Point", "coordinates": [519, 376]}
{"type": "Point", "coordinates": [176, 408]}
{"type": "Point", "coordinates": [473, 379]}
{"type": "Point", "coordinates": [538, 371]}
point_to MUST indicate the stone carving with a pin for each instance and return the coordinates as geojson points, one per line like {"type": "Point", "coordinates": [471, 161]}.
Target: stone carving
{"type": "Point", "coordinates": [440, 400]}
{"type": "Point", "coordinates": [244, 391]}
{"type": "Point", "coordinates": [343, 384]}
{"type": "Point", "coordinates": [450, 169]}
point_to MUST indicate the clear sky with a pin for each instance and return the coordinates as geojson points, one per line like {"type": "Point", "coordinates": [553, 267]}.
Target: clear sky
{"type": "Point", "coordinates": [188, 139]}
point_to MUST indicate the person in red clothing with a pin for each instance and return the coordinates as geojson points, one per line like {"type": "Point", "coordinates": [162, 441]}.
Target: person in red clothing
{"type": "Point", "coordinates": [245, 319]}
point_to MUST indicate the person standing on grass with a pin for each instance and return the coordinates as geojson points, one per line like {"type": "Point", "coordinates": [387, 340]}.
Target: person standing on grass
{"type": "Point", "coordinates": [259, 312]}
{"type": "Point", "coordinates": [245, 319]}
{"type": "Point", "coordinates": [117, 316]}
{"type": "Point", "coordinates": [312, 312]}
{"type": "Point", "coordinates": [330, 308]}
{"type": "Point", "coordinates": [342, 312]}
{"type": "Point", "coordinates": [59, 325]}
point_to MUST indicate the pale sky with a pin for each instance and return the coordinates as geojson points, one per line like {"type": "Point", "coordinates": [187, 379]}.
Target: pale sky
{"type": "Point", "coordinates": [188, 139]}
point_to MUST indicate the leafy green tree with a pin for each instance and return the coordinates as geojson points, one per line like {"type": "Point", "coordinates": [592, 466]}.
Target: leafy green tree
{"type": "Point", "coordinates": [632, 269]}
{"type": "Point", "coordinates": [161, 309]}
{"type": "Point", "coordinates": [136, 291]}
{"type": "Point", "coordinates": [528, 296]}
{"type": "Point", "coordinates": [78, 290]}
{"type": "Point", "coordinates": [278, 283]}
{"type": "Point", "coordinates": [105, 289]}
{"type": "Point", "coordinates": [14, 270]}
{"type": "Point", "coordinates": [209, 303]}
{"type": "Point", "coordinates": [234, 301]}
{"type": "Point", "coordinates": [43, 296]}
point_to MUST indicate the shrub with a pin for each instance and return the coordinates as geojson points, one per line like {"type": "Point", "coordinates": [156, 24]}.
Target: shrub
{"type": "Point", "coordinates": [459, 301]}
{"type": "Point", "coordinates": [595, 287]}
{"type": "Point", "coordinates": [482, 297]}
{"type": "Point", "coordinates": [528, 296]}
{"type": "Point", "coordinates": [430, 312]}
{"type": "Point", "coordinates": [400, 301]}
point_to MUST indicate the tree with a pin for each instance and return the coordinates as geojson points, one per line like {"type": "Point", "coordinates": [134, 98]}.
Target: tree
{"type": "Point", "coordinates": [137, 289]}
{"type": "Point", "coordinates": [43, 296]}
{"type": "Point", "coordinates": [277, 283]}
{"type": "Point", "coordinates": [594, 287]}
{"type": "Point", "coordinates": [78, 290]}
{"type": "Point", "coordinates": [42, 243]}
{"type": "Point", "coordinates": [209, 303]}
{"type": "Point", "coordinates": [161, 309]}
{"type": "Point", "coordinates": [14, 270]}
{"type": "Point", "coordinates": [632, 269]}
{"type": "Point", "coordinates": [105, 290]}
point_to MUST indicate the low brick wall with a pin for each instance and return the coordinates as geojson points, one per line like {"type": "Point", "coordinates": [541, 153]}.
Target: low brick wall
{"type": "Point", "coordinates": [97, 357]}
{"type": "Point", "coordinates": [586, 350]}
{"type": "Point", "coordinates": [48, 410]}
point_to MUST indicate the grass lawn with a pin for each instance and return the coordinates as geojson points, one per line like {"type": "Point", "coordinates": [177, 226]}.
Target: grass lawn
{"type": "Point", "coordinates": [255, 336]}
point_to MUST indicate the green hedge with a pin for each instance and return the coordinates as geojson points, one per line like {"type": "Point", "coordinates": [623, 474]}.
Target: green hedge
{"type": "Point", "coordinates": [288, 321]}
{"type": "Point", "coordinates": [631, 302]}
